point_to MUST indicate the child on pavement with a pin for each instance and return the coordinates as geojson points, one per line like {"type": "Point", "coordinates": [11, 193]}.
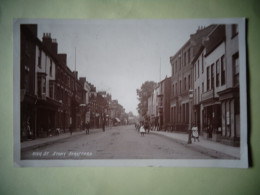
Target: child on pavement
{"type": "Point", "coordinates": [142, 130]}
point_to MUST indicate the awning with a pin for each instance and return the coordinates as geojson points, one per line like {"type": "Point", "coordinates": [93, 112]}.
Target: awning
{"type": "Point", "coordinates": [117, 120]}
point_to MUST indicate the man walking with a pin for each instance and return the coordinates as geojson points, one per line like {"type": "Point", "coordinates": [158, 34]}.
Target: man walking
{"type": "Point", "coordinates": [87, 127]}
{"type": "Point", "coordinates": [71, 129]}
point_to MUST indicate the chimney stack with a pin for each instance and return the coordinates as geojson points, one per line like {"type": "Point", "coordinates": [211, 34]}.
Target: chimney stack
{"type": "Point", "coordinates": [62, 59]}
{"type": "Point", "coordinates": [46, 40]}
{"type": "Point", "coordinates": [54, 46]}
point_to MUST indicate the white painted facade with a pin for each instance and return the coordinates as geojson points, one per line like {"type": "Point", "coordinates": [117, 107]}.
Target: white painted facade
{"type": "Point", "coordinates": [47, 66]}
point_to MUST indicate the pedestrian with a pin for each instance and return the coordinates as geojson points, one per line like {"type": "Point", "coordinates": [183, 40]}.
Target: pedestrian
{"type": "Point", "coordinates": [71, 129]}
{"type": "Point", "coordinates": [142, 130]}
{"type": "Point", "coordinates": [87, 127]}
{"type": "Point", "coordinates": [195, 133]}
{"type": "Point", "coordinates": [103, 125]}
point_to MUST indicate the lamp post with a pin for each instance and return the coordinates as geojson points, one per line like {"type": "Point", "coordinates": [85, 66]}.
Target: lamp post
{"type": "Point", "coordinates": [190, 117]}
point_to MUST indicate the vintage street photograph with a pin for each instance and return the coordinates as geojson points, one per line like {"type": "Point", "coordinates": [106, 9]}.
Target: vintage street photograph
{"type": "Point", "coordinates": [95, 92]}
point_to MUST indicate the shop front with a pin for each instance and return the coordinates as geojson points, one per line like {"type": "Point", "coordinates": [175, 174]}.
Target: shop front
{"type": "Point", "coordinates": [212, 121]}
{"type": "Point", "coordinates": [46, 111]}
{"type": "Point", "coordinates": [230, 116]}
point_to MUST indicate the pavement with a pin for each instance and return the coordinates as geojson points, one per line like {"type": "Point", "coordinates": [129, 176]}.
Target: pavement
{"type": "Point", "coordinates": [202, 143]}
{"type": "Point", "coordinates": [177, 136]}
{"type": "Point", "coordinates": [39, 142]}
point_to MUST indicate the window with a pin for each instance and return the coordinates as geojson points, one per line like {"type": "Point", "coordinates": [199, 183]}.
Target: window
{"type": "Point", "coordinates": [195, 66]}
{"type": "Point", "coordinates": [195, 96]}
{"type": "Point", "coordinates": [185, 80]}
{"type": "Point", "coordinates": [179, 61]}
{"type": "Point", "coordinates": [51, 90]}
{"type": "Point", "coordinates": [198, 68]}
{"type": "Point", "coordinates": [183, 112]}
{"type": "Point", "coordinates": [202, 87]}
{"type": "Point", "coordinates": [234, 30]}
{"type": "Point", "coordinates": [173, 90]}
{"type": "Point", "coordinates": [174, 114]}
{"type": "Point", "coordinates": [39, 58]}
{"type": "Point", "coordinates": [185, 59]}
{"type": "Point", "coordinates": [223, 71]}
{"type": "Point", "coordinates": [235, 63]}
{"type": "Point", "coordinates": [189, 84]}
{"type": "Point", "coordinates": [180, 86]}
{"type": "Point", "coordinates": [173, 69]}
{"type": "Point", "coordinates": [208, 79]}
{"type": "Point", "coordinates": [39, 88]}
{"type": "Point", "coordinates": [202, 63]}
{"type": "Point", "coordinates": [189, 56]}
{"type": "Point", "coordinates": [198, 94]}
{"type": "Point", "coordinates": [212, 76]}
{"type": "Point", "coordinates": [43, 85]}
{"type": "Point", "coordinates": [51, 67]}
{"type": "Point", "coordinates": [217, 73]}
{"type": "Point", "coordinates": [171, 114]}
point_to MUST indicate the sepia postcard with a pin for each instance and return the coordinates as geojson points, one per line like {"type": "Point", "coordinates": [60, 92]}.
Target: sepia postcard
{"type": "Point", "coordinates": [147, 93]}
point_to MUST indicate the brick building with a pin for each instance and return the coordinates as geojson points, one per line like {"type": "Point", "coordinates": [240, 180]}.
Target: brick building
{"type": "Point", "coordinates": [51, 93]}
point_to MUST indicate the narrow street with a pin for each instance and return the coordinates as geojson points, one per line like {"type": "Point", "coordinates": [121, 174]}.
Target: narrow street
{"type": "Point", "coordinates": [122, 142]}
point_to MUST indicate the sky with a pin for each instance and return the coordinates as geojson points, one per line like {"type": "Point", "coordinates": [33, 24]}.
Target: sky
{"type": "Point", "coordinates": [118, 56]}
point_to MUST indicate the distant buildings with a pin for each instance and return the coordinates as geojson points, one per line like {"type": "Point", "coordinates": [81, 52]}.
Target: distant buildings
{"type": "Point", "coordinates": [159, 104]}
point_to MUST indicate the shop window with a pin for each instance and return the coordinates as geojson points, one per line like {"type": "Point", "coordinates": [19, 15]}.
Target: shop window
{"type": "Point", "coordinates": [228, 130]}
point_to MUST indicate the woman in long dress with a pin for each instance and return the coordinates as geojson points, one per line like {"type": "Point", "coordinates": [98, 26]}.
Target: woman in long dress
{"type": "Point", "coordinates": [142, 130]}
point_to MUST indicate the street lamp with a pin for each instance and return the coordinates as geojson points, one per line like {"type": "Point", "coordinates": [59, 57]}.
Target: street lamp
{"type": "Point", "coordinates": [190, 117]}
